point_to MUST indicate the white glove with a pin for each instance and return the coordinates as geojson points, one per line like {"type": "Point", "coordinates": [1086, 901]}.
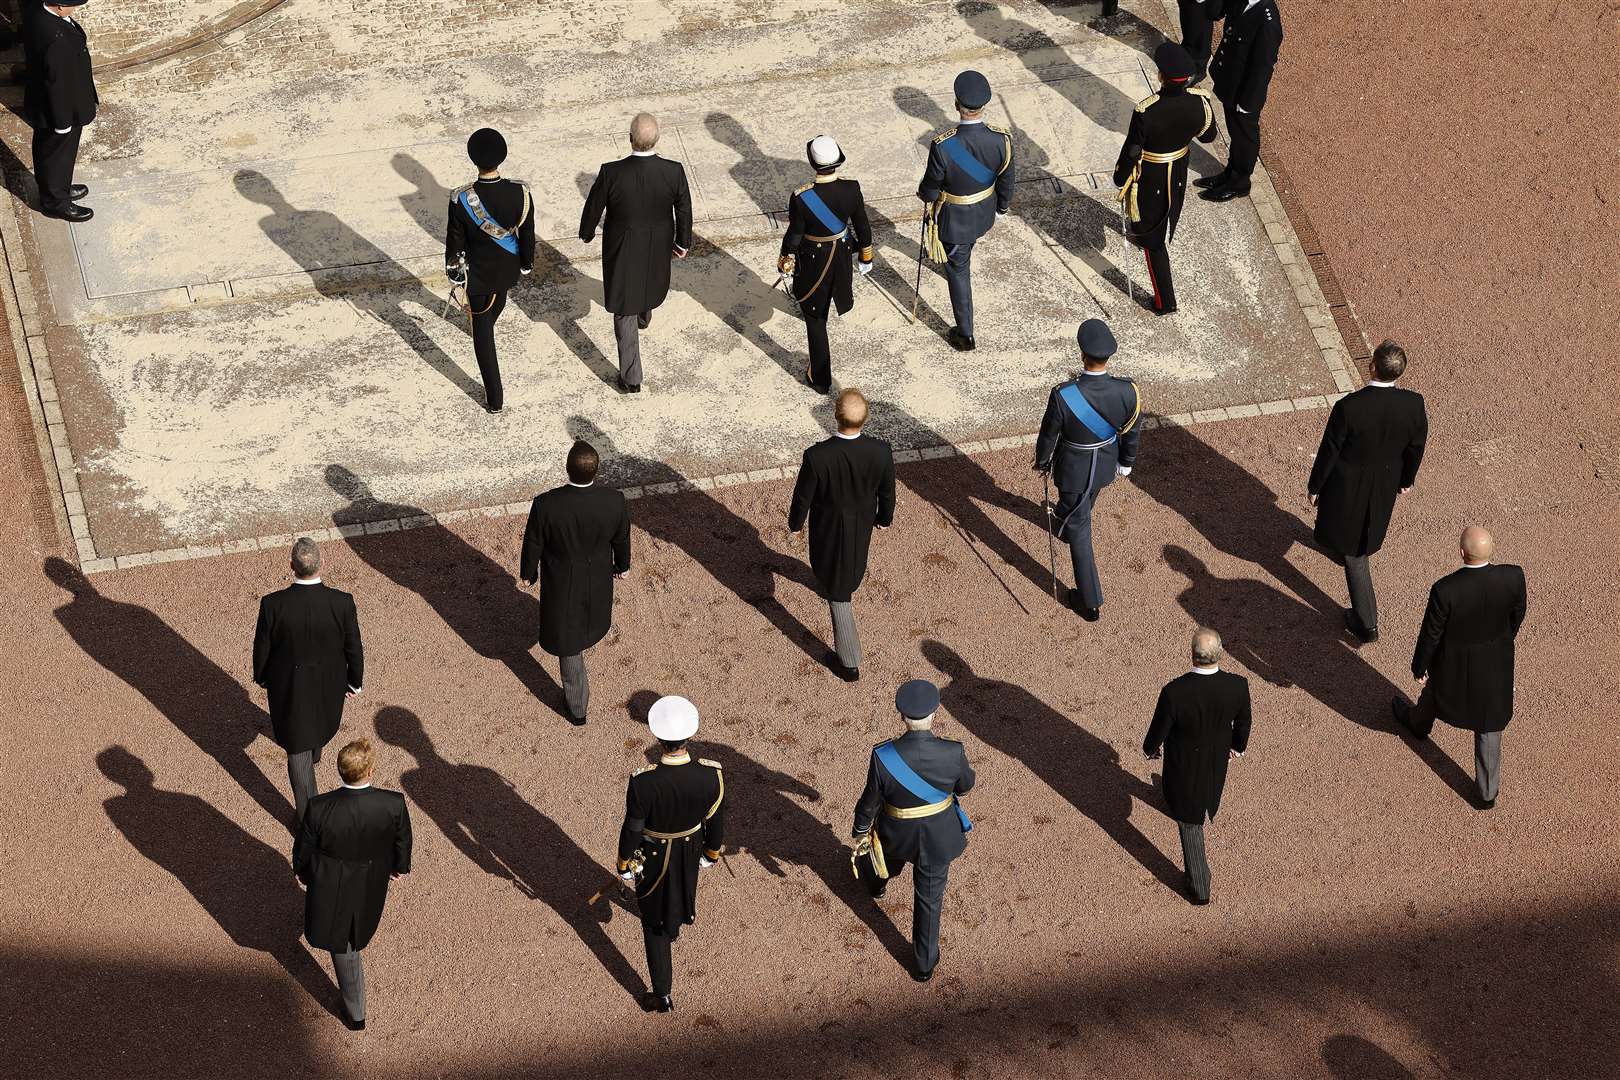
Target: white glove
{"type": "Point", "coordinates": [1122, 470]}
{"type": "Point", "coordinates": [705, 862]}
{"type": "Point", "coordinates": [864, 267]}
{"type": "Point", "coordinates": [628, 877]}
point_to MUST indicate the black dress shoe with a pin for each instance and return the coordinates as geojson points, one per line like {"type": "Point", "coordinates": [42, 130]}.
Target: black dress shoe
{"type": "Point", "coordinates": [1197, 901]}
{"type": "Point", "coordinates": [77, 192]}
{"type": "Point", "coordinates": [354, 1025]}
{"type": "Point", "coordinates": [848, 674]}
{"type": "Point", "coordinates": [1090, 614]}
{"type": "Point", "coordinates": [1171, 310]}
{"type": "Point", "coordinates": [1364, 634]}
{"type": "Point", "coordinates": [923, 976]}
{"type": "Point", "coordinates": [493, 410]}
{"type": "Point", "coordinates": [70, 212]}
{"type": "Point", "coordinates": [1213, 180]}
{"type": "Point", "coordinates": [645, 320]}
{"type": "Point", "coordinates": [880, 893]}
{"type": "Point", "coordinates": [626, 388]}
{"type": "Point", "coordinates": [817, 387]}
{"type": "Point", "coordinates": [1486, 804]}
{"type": "Point", "coordinates": [577, 721]}
{"type": "Point", "coordinates": [1225, 193]}
{"type": "Point", "coordinates": [960, 341]}
{"type": "Point", "coordinates": [656, 1003]}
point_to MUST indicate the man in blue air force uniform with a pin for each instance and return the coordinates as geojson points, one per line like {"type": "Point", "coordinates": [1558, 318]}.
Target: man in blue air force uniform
{"type": "Point", "coordinates": [488, 248]}
{"type": "Point", "coordinates": [967, 184]}
{"type": "Point", "coordinates": [914, 781]}
{"type": "Point", "coordinates": [1088, 436]}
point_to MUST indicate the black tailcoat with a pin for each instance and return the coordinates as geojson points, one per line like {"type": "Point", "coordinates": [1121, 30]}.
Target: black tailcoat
{"type": "Point", "coordinates": [1162, 124]}
{"type": "Point", "coordinates": [821, 272]}
{"type": "Point", "coordinates": [1371, 448]}
{"type": "Point", "coordinates": [672, 798]}
{"type": "Point", "coordinates": [576, 540]}
{"type": "Point", "coordinates": [931, 841]}
{"type": "Point", "coordinates": [1247, 54]}
{"type": "Point", "coordinates": [490, 267]}
{"type": "Point", "coordinates": [1466, 645]}
{"type": "Point", "coordinates": [1198, 719]}
{"type": "Point", "coordinates": [992, 147]}
{"type": "Point", "coordinates": [649, 213]}
{"type": "Point", "coordinates": [59, 91]}
{"type": "Point", "coordinates": [845, 487]}
{"type": "Point", "coordinates": [307, 654]}
{"type": "Point", "coordinates": [350, 841]}
{"type": "Point", "coordinates": [1064, 442]}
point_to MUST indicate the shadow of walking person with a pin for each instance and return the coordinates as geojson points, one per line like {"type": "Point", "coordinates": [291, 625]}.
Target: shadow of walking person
{"type": "Point", "coordinates": [1234, 510]}
{"type": "Point", "coordinates": [318, 239]}
{"type": "Point", "coordinates": [729, 547]}
{"type": "Point", "coordinates": [1082, 768]}
{"type": "Point", "coordinates": [244, 884]}
{"type": "Point", "coordinates": [1276, 637]}
{"type": "Point", "coordinates": [494, 826]}
{"type": "Point", "coordinates": [1352, 1057]}
{"type": "Point", "coordinates": [196, 695]}
{"type": "Point", "coordinates": [475, 596]}
{"type": "Point", "coordinates": [734, 293]}
{"type": "Point", "coordinates": [765, 818]}
{"type": "Point", "coordinates": [766, 179]}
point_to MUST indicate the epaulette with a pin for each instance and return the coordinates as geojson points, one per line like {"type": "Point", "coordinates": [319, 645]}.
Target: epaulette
{"type": "Point", "coordinates": [946, 738]}
{"type": "Point", "coordinates": [456, 194]}
{"type": "Point", "coordinates": [1145, 102]}
{"type": "Point", "coordinates": [998, 129]}
{"type": "Point", "coordinates": [942, 136]}
{"type": "Point", "coordinates": [645, 768]}
{"type": "Point", "coordinates": [710, 762]}
{"type": "Point", "coordinates": [804, 188]}
{"type": "Point", "coordinates": [1122, 378]}
{"type": "Point", "coordinates": [1199, 90]}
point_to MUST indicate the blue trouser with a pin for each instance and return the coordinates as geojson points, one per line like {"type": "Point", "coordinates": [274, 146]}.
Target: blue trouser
{"type": "Point", "coordinates": [959, 277]}
{"type": "Point", "coordinates": [1073, 523]}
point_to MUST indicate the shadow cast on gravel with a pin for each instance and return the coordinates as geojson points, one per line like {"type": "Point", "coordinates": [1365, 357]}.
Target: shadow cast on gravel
{"type": "Point", "coordinates": [489, 822]}
{"type": "Point", "coordinates": [204, 701]}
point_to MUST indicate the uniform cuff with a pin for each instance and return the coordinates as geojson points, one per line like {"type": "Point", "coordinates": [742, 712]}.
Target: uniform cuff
{"type": "Point", "coordinates": [712, 856]}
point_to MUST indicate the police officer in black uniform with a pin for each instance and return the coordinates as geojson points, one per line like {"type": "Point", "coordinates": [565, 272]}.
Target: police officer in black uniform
{"type": "Point", "coordinates": [59, 99]}
{"type": "Point", "coordinates": [488, 246]}
{"type": "Point", "coordinates": [674, 824]}
{"type": "Point", "coordinates": [1088, 436]}
{"type": "Point", "coordinates": [914, 781]}
{"type": "Point", "coordinates": [817, 246]}
{"type": "Point", "coordinates": [967, 184]}
{"type": "Point", "coordinates": [1242, 73]}
{"type": "Point", "coordinates": [1152, 169]}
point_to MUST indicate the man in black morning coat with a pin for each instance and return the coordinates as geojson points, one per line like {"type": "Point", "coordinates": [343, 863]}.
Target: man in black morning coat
{"type": "Point", "coordinates": [1370, 453]}
{"type": "Point", "coordinates": [1201, 721]}
{"type": "Point", "coordinates": [1242, 75]}
{"type": "Point", "coordinates": [307, 656]}
{"type": "Point", "coordinates": [59, 99]}
{"type": "Point", "coordinates": [353, 841]}
{"type": "Point", "coordinates": [488, 248]}
{"type": "Point", "coordinates": [895, 826]}
{"type": "Point", "coordinates": [1464, 656]}
{"type": "Point", "coordinates": [1151, 172]}
{"type": "Point", "coordinates": [845, 489]}
{"type": "Point", "coordinates": [822, 215]}
{"type": "Point", "coordinates": [1085, 453]}
{"type": "Point", "coordinates": [577, 541]}
{"type": "Point", "coordinates": [649, 222]}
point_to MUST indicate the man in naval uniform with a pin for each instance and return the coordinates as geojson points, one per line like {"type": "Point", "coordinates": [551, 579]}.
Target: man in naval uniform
{"type": "Point", "coordinates": [1088, 436]}
{"type": "Point", "coordinates": [967, 184]}
{"type": "Point", "coordinates": [674, 822]}
{"type": "Point", "coordinates": [914, 781]}
{"type": "Point", "coordinates": [1152, 169]}
{"type": "Point", "coordinates": [815, 251]}
{"type": "Point", "coordinates": [488, 247]}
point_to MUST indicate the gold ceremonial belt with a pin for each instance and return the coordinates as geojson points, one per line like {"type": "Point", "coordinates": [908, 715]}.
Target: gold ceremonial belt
{"type": "Point", "coordinates": [824, 239]}
{"type": "Point", "coordinates": [968, 200]}
{"type": "Point", "coordinates": [651, 835]}
{"type": "Point", "coordinates": [1165, 159]}
{"type": "Point", "coordinates": [908, 813]}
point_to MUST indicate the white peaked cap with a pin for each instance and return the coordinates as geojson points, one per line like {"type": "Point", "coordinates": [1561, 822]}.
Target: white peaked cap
{"type": "Point", "coordinates": [673, 719]}
{"type": "Point", "coordinates": [824, 151]}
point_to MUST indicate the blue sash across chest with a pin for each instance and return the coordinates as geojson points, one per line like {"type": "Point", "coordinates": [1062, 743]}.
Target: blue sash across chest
{"type": "Point", "coordinates": [907, 777]}
{"type": "Point", "coordinates": [1083, 411]}
{"type": "Point", "coordinates": [976, 170]}
{"type": "Point", "coordinates": [474, 206]}
{"type": "Point", "coordinates": [822, 212]}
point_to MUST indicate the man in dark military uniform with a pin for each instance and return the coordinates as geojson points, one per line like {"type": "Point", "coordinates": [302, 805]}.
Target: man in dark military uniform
{"type": "Point", "coordinates": [816, 250]}
{"type": "Point", "coordinates": [1242, 72]}
{"type": "Point", "coordinates": [1152, 169]}
{"type": "Point", "coordinates": [1088, 436]}
{"type": "Point", "coordinates": [483, 254]}
{"type": "Point", "coordinates": [969, 167]}
{"type": "Point", "coordinates": [674, 823]}
{"type": "Point", "coordinates": [914, 781]}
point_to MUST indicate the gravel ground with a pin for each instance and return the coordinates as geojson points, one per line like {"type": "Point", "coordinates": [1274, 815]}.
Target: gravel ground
{"type": "Point", "coordinates": [1367, 921]}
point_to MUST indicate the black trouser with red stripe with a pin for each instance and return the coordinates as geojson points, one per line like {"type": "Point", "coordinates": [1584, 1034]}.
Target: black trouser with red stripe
{"type": "Point", "coordinates": [1164, 288]}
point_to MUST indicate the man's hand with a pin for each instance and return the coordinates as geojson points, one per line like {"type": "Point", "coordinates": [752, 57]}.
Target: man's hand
{"type": "Point", "coordinates": [784, 265]}
{"type": "Point", "coordinates": [351, 691]}
{"type": "Point", "coordinates": [678, 253]}
{"type": "Point", "coordinates": [1312, 499]}
{"type": "Point", "coordinates": [1155, 756]}
{"type": "Point", "coordinates": [1043, 469]}
{"type": "Point", "coordinates": [704, 862]}
{"type": "Point", "coordinates": [620, 576]}
{"type": "Point", "coordinates": [628, 877]}
{"type": "Point", "coordinates": [530, 580]}
{"type": "Point", "coordinates": [1233, 755]}
{"type": "Point", "coordinates": [1423, 678]}
{"type": "Point", "coordinates": [394, 876]}
{"type": "Point", "coordinates": [864, 267]}
{"type": "Point", "coordinates": [1405, 489]}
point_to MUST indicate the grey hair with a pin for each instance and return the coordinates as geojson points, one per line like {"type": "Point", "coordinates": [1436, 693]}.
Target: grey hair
{"type": "Point", "coordinates": [919, 723]}
{"type": "Point", "coordinates": [643, 132]}
{"type": "Point", "coordinates": [1206, 647]}
{"type": "Point", "coordinates": [306, 557]}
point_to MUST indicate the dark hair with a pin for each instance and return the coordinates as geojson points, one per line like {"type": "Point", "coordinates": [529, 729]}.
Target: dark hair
{"type": "Point", "coordinates": [672, 747]}
{"type": "Point", "coordinates": [583, 461]}
{"type": "Point", "coordinates": [1389, 361]}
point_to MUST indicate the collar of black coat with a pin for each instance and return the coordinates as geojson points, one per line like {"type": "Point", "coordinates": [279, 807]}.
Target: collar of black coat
{"type": "Point", "coordinates": [682, 758]}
